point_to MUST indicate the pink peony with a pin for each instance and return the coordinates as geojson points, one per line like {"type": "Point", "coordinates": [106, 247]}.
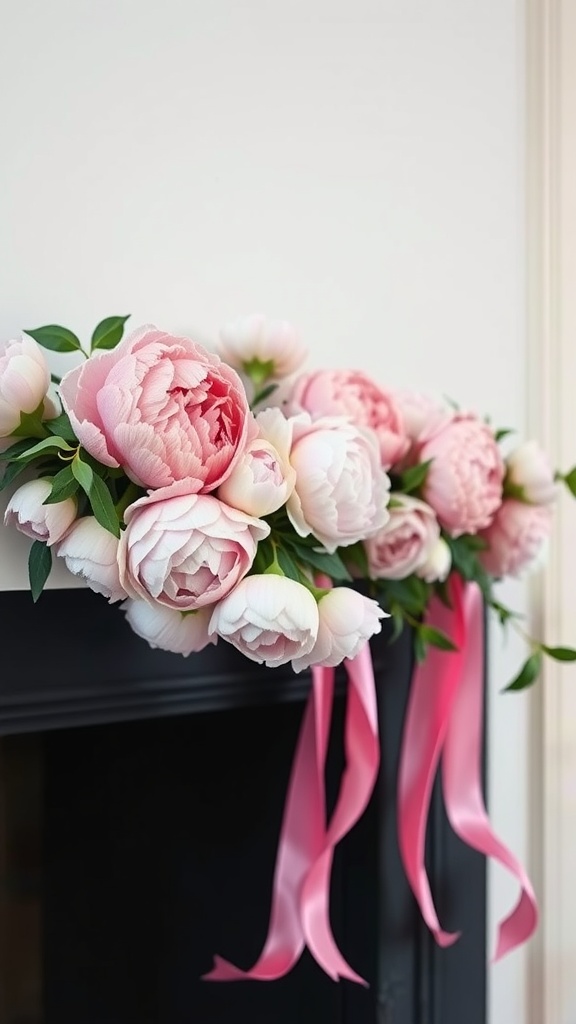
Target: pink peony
{"type": "Point", "coordinates": [168, 629]}
{"type": "Point", "coordinates": [438, 564]}
{"type": "Point", "coordinates": [269, 618]}
{"type": "Point", "coordinates": [27, 512]}
{"type": "Point", "coordinates": [464, 481]}
{"type": "Point", "coordinates": [529, 471]}
{"type": "Point", "coordinates": [419, 413]}
{"type": "Point", "coordinates": [263, 479]}
{"type": "Point", "coordinates": [254, 343]}
{"type": "Point", "coordinates": [91, 552]}
{"type": "Point", "coordinates": [516, 537]}
{"type": "Point", "coordinates": [347, 621]}
{"type": "Point", "coordinates": [161, 407]}
{"type": "Point", "coordinates": [341, 490]}
{"type": "Point", "coordinates": [405, 542]}
{"type": "Point", "coordinates": [185, 550]}
{"type": "Point", "coordinates": [353, 394]}
{"type": "Point", "coordinates": [24, 381]}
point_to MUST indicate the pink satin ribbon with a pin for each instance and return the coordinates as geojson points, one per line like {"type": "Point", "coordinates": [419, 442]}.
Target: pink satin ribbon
{"type": "Point", "coordinates": [445, 718]}
{"type": "Point", "coordinates": [301, 891]}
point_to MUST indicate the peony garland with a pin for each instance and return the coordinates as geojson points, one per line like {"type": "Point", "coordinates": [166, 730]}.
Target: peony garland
{"type": "Point", "coordinates": [178, 482]}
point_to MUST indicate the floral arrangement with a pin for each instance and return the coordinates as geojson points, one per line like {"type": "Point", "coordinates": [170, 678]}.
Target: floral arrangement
{"type": "Point", "coordinates": [161, 485]}
{"type": "Point", "coordinates": [231, 497]}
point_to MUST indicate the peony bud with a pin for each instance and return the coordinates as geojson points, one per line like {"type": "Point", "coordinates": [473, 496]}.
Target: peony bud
{"type": "Point", "coordinates": [28, 514]}
{"type": "Point", "coordinates": [24, 381]}
{"type": "Point", "coordinates": [263, 479]}
{"type": "Point", "coordinates": [530, 475]}
{"type": "Point", "coordinates": [269, 618]}
{"type": "Point", "coordinates": [181, 633]}
{"type": "Point", "coordinates": [91, 552]}
{"type": "Point", "coordinates": [438, 564]}
{"type": "Point", "coordinates": [261, 348]}
{"type": "Point", "coordinates": [347, 621]}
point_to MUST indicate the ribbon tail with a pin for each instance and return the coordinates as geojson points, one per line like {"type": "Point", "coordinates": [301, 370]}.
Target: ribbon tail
{"type": "Point", "coordinates": [432, 695]}
{"type": "Point", "coordinates": [462, 779]}
{"type": "Point", "coordinates": [360, 774]}
{"type": "Point", "coordinates": [301, 842]}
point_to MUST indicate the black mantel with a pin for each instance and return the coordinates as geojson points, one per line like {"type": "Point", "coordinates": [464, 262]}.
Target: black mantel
{"type": "Point", "coordinates": [159, 845]}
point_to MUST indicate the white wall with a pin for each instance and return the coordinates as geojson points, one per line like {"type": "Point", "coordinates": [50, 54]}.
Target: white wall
{"type": "Point", "coordinates": [353, 165]}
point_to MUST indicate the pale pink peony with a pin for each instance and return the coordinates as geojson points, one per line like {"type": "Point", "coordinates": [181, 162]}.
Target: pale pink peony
{"type": "Point", "coordinates": [516, 537]}
{"type": "Point", "coordinates": [353, 394]}
{"type": "Point", "coordinates": [30, 516]}
{"type": "Point", "coordinates": [529, 471]}
{"type": "Point", "coordinates": [263, 479]}
{"type": "Point", "coordinates": [24, 381]}
{"type": "Point", "coordinates": [437, 566]}
{"type": "Point", "coordinates": [341, 490]}
{"type": "Point", "coordinates": [464, 481]}
{"type": "Point", "coordinates": [186, 550]}
{"type": "Point", "coordinates": [254, 343]}
{"type": "Point", "coordinates": [420, 413]}
{"type": "Point", "coordinates": [405, 542]}
{"type": "Point", "coordinates": [161, 407]}
{"type": "Point", "coordinates": [347, 620]}
{"type": "Point", "coordinates": [168, 629]}
{"type": "Point", "coordinates": [91, 553]}
{"type": "Point", "coordinates": [269, 618]}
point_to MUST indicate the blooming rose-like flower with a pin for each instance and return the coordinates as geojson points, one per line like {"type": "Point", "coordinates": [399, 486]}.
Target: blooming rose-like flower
{"type": "Point", "coordinates": [161, 407]}
{"type": "Point", "coordinates": [253, 343]}
{"type": "Point", "coordinates": [269, 618]}
{"type": "Point", "coordinates": [168, 629]}
{"type": "Point", "coordinates": [464, 481]}
{"type": "Point", "coordinates": [419, 412]}
{"type": "Point", "coordinates": [353, 394]}
{"type": "Point", "coordinates": [405, 542]}
{"type": "Point", "coordinates": [341, 490]}
{"type": "Point", "coordinates": [263, 478]}
{"type": "Point", "coordinates": [346, 621]}
{"type": "Point", "coordinates": [24, 381]}
{"type": "Point", "coordinates": [28, 514]}
{"type": "Point", "coordinates": [438, 564]}
{"type": "Point", "coordinates": [515, 538]}
{"type": "Point", "coordinates": [186, 550]}
{"type": "Point", "coordinates": [530, 473]}
{"type": "Point", "coordinates": [91, 552]}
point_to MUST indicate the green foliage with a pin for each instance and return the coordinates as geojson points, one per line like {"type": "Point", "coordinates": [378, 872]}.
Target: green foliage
{"type": "Point", "coordinates": [64, 485]}
{"type": "Point", "coordinates": [108, 332]}
{"type": "Point", "coordinates": [413, 478]}
{"type": "Point", "coordinates": [39, 566]}
{"type": "Point", "coordinates": [61, 427]}
{"type": "Point", "coordinates": [98, 495]}
{"type": "Point", "coordinates": [528, 673]}
{"type": "Point", "coordinates": [56, 338]}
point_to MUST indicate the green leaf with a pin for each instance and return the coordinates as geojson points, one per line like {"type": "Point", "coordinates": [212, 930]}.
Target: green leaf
{"type": "Point", "coordinates": [419, 647]}
{"type": "Point", "coordinates": [30, 424]}
{"type": "Point", "coordinates": [331, 565]}
{"type": "Point", "coordinates": [355, 555]}
{"type": "Point", "coordinates": [39, 566]}
{"type": "Point", "coordinates": [503, 432]}
{"type": "Point", "coordinates": [62, 427]}
{"type": "Point", "coordinates": [48, 445]}
{"type": "Point", "coordinates": [11, 471]}
{"type": "Point", "coordinates": [55, 378]}
{"type": "Point", "coordinates": [570, 481]}
{"type": "Point", "coordinates": [527, 674]}
{"type": "Point", "coordinates": [414, 477]}
{"type": "Point", "coordinates": [397, 623]}
{"type": "Point", "coordinates": [108, 332]}
{"type": "Point", "coordinates": [287, 564]}
{"type": "Point", "coordinates": [83, 473]}
{"type": "Point", "coordinates": [560, 653]}
{"type": "Point", "coordinates": [15, 450]}
{"type": "Point", "coordinates": [103, 506]}
{"type": "Point", "coordinates": [436, 638]}
{"type": "Point", "coordinates": [57, 339]}
{"type": "Point", "coordinates": [64, 485]}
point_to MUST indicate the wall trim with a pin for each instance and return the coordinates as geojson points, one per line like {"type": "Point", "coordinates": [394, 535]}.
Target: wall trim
{"type": "Point", "coordinates": [551, 318]}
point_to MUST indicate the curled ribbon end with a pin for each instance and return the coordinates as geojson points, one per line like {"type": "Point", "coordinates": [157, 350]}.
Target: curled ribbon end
{"type": "Point", "coordinates": [518, 927]}
{"type": "Point", "coordinates": [445, 939]}
{"type": "Point", "coordinates": [223, 971]}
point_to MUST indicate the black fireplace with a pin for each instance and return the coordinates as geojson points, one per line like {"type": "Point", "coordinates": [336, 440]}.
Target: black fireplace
{"type": "Point", "coordinates": [141, 796]}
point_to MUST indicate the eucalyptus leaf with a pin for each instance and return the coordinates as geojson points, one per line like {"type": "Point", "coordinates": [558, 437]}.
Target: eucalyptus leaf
{"type": "Point", "coordinates": [56, 338]}
{"type": "Point", "coordinates": [39, 566]}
